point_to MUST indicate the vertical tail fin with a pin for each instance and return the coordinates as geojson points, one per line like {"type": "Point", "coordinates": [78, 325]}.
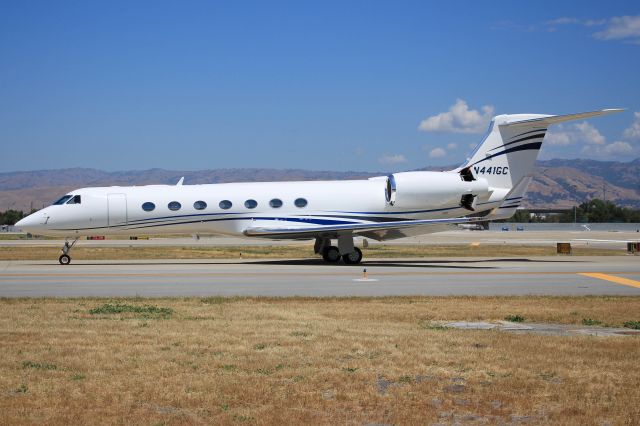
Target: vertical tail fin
{"type": "Point", "coordinates": [510, 148]}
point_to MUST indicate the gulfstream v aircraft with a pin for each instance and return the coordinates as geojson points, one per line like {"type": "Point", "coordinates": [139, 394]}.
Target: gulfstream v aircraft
{"type": "Point", "coordinates": [489, 185]}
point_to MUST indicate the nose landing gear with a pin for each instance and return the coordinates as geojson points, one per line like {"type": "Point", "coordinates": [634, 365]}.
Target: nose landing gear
{"type": "Point", "coordinates": [64, 258]}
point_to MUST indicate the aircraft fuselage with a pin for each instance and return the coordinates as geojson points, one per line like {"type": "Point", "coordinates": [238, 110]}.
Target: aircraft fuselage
{"type": "Point", "coordinates": [231, 208]}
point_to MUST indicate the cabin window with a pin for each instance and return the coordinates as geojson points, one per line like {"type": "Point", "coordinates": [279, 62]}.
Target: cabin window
{"type": "Point", "coordinates": [199, 205]}
{"type": "Point", "coordinates": [75, 200]}
{"type": "Point", "coordinates": [174, 205]}
{"type": "Point", "coordinates": [276, 203]}
{"type": "Point", "coordinates": [148, 207]}
{"type": "Point", "coordinates": [225, 204]}
{"type": "Point", "coordinates": [62, 200]}
{"type": "Point", "coordinates": [251, 204]}
{"type": "Point", "coordinates": [300, 202]}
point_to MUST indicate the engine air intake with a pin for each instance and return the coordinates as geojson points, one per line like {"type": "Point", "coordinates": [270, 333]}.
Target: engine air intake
{"type": "Point", "coordinates": [390, 190]}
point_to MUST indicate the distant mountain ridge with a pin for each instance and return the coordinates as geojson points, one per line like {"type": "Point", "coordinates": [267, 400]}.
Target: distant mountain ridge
{"type": "Point", "coordinates": [557, 183]}
{"type": "Point", "coordinates": [565, 183]}
{"type": "Point", "coordinates": [93, 177]}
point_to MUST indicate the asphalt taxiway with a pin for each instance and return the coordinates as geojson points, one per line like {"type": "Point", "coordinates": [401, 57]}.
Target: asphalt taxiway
{"type": "Point", "coordinates": [551, 275]}
{"type": "Point", "coordinates": [600, 239]}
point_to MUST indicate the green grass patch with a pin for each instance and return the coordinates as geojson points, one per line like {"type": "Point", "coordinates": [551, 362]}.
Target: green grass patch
{"type": "Point", "coordinates": [635, 325]}
{"type": "Point", "coordinates": [220, 300]}
{"type": "Point", "coordinates": [514, 318]}
{"type": "Point", "coordinates": [590, 321]}
{"type": "Point", "coordinates": [144, 311]}
{"type": "Point", "coordinates": [38, 365]}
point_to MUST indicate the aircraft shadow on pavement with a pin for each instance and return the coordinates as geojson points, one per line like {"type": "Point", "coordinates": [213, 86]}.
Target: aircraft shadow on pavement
{"type": "Point", "coordinates": [368, 264]}
{"type": "Point", "coordinates": [404, 263]}
{"type": "Point", "coordinates": [418, 263]}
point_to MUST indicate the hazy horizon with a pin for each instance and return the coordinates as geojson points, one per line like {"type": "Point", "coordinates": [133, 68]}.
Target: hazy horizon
{"type": "Point", "coordinates": [379, 170]}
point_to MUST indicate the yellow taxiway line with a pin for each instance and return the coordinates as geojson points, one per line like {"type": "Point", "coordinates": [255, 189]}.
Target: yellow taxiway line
{"type": "Point", "coordinates": [612, 278]}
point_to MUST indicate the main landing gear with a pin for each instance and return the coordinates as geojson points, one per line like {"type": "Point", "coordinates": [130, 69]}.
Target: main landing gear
{"type": "Point", "coordinates": [345, 250]}
{"type": "Point", "coordinates": [64, 258]}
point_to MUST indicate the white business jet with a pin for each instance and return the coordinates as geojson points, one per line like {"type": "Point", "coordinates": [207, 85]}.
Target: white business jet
{"type": "Point", "coordinates": [489, 185]}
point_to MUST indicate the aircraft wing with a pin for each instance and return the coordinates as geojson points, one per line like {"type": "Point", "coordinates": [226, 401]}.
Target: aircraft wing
{"type": "Point", "coordinates": [373, 230]}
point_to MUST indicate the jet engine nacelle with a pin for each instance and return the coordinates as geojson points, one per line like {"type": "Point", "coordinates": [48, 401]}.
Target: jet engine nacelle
{"type": "Point", "coordinates": [410, 190]}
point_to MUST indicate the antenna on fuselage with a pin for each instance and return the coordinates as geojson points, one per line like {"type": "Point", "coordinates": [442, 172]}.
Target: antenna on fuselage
{"type": "Point", "coordinates": [180, 181]}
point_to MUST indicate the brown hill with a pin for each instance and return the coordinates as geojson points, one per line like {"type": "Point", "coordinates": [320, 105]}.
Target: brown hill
{"type": "Point", "coordinates": [565, 183]}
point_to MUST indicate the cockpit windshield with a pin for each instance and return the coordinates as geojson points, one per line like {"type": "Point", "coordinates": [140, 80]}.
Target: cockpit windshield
{"type": "Point", "coordinates": [63, 200]}
{"type": "Point", "coordinates": [74, 200]}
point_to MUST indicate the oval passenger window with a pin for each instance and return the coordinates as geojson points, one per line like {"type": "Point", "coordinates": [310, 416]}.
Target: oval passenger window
{"type": "Point", "coordinates": [275, 203]}
{"type": "Point", "coordinates": [148, 207]}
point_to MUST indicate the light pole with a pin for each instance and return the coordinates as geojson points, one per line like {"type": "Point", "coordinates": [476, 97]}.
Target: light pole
{"type": "Point", "coordinates": [575, 206]}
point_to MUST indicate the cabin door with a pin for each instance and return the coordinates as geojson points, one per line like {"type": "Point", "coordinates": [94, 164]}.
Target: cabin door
{"type": "Point", "coordinates": [117, 206]}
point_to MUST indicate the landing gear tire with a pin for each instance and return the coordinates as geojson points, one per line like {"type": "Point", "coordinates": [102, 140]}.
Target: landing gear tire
{"type": "Point", "coordinates": [331, 254]}
{"type": "Point", "coordinates": [353, 258]}
{"type": "Point", "coordinates": [65, 259]}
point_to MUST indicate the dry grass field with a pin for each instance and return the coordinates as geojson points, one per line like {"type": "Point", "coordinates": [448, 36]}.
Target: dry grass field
{"type": "Point", "coordinates": [288, 252]}
{"type": "Point", "coordinates": [313, 361]}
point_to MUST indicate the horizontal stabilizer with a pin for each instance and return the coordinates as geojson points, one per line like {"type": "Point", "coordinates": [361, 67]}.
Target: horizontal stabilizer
{"type": "Point", "coordinates": [555, 119]}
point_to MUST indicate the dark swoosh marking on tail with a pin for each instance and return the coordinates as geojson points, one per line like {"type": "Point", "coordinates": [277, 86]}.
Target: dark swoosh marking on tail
{"type": "Point", "coordinates": [526, 133]}
{"type": "Point", "coordinates": [529, 146]}
{"type": "Point", "coordinates": [520, 140]}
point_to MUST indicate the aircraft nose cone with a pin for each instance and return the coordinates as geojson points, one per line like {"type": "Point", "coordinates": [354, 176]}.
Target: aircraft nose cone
{"type": "Point", "coordinates": [28, 223]}
{"type": "Point", "coordinates": [22, 222]}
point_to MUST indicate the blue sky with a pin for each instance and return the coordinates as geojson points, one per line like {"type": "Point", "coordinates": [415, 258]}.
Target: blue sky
{"type": "Point", "coordinates": [375, 86]}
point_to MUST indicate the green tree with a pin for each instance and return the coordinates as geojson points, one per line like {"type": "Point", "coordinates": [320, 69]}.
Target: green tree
{"type": "Point", "coordinates": [10, 217]}
{"type": "Point", "coordinates": [599, 211]}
